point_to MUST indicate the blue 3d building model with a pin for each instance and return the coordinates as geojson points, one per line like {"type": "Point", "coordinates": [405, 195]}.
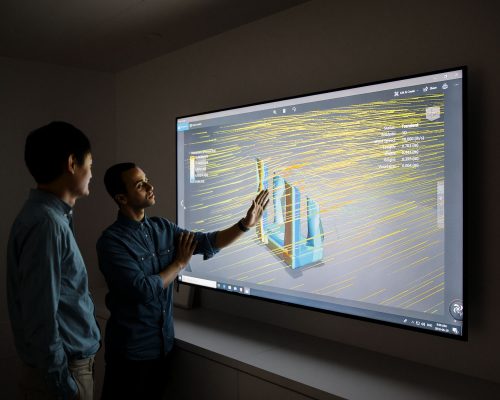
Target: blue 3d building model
{"type": "Point", "coordinates": [283, 236]}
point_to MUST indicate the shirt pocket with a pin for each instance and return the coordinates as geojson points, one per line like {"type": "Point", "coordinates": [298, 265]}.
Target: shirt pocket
{"type": "Point", "coordinates": [166, 256]}
{"type": "Point", "coordinates": [148, 263]}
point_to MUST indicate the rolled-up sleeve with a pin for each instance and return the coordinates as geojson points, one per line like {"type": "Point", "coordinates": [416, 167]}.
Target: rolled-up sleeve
{"type": "Point", "coordinates": [124, 274]}
{"type": "Point", "coordinates": [205, 242]}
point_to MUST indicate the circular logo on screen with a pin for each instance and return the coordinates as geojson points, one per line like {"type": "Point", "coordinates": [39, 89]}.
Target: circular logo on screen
{"type": "Point", "coordinates": [457, 310]}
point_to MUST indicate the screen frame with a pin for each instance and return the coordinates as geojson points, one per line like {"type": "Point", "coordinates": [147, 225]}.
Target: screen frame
{"type": "Point", "coordinates": [465, 239]}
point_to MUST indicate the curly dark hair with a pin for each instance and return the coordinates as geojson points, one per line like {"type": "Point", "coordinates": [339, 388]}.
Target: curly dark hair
{"type": "Point", "coordinates": [113, 178]}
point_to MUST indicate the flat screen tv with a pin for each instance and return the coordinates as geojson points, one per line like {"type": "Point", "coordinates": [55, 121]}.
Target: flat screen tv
{"type": "Point", "coordinates": [366, 211]}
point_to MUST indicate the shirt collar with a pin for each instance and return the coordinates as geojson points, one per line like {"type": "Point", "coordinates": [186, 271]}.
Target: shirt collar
{"type": "Point", "coordinates": [51, 200]}
{"type": "Point", "coordinates": [130, 223]}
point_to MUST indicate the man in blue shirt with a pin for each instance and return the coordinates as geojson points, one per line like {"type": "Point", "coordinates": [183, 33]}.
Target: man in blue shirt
{"type": "Point", "coordinates": [51, 311]}
{"type": "Point", "coordinates": [140, 258]}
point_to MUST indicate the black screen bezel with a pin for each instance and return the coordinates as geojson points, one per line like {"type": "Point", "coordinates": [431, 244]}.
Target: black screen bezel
{"type": "Point", "coordinates": [465, 328]}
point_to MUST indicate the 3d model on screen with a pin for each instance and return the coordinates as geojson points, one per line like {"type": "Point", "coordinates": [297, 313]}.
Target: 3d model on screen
{"type": "Point", "coordinates": [284, 234]}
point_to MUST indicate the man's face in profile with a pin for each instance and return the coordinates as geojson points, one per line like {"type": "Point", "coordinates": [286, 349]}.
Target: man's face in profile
{"type": "Point", "coordinates": [82, 176]}
{"type": "Point", "coordinates": [139, 190]}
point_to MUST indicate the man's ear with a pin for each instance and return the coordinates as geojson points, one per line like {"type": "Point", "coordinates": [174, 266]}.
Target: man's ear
{"type": "Point", "coordinates": [121, 199]}
{"type": "Point", "coordinates": [71, 164]}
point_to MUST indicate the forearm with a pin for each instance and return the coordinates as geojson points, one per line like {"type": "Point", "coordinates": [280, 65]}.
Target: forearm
{"type": "Point", "coordinates": [125, 278]}
{"type": "Point", "coordinates": [48, 355]}
{"type": "Point", "coordinates": [46, 345]}
{"type": "Point", "coordinates": [60, 379]}
{"type": "Point", "coordinates": [227, 236]}
{"type": "Point", "coordinates": [40, 301]}
{"type": "Point", "coordinates": [185, 248]}
{"type": "Point", "coordinates": [169, 274]}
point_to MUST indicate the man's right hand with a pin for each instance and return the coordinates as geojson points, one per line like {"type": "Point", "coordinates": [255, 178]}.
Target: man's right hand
{"type": "Point", "coordinates": [185, 248]}
{"type": "Point", "coordinates": [184, 252]}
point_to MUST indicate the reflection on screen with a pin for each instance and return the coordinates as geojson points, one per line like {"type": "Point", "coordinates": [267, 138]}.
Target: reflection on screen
{"type": "Point", "coordinates": [365, 216]}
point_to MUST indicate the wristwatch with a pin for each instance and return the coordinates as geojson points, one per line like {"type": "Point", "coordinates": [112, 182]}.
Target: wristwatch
{"type": "Point", "coordinates": [241, 226]}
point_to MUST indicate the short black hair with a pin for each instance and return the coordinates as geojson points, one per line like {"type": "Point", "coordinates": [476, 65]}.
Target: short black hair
{"type": "Point", "coordinates": [113, 178]}
{"type": "Point", "coordinates": [47, 150]}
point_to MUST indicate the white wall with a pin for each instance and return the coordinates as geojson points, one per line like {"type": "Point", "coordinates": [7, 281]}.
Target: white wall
{"type": "Point", "coordinates": [322, 45]}
{"type": "Point", "coordinates": [31, 95]}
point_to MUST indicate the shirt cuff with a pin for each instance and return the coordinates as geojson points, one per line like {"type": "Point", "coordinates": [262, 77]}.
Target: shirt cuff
{"type": "Point", "coordinates": [157, 284]}
{"type": "Point", "coordinates": [209, 249]}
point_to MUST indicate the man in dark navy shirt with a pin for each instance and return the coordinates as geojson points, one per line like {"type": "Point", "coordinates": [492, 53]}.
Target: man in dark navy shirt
{"type": "Point", "coordinates": [140, 258]}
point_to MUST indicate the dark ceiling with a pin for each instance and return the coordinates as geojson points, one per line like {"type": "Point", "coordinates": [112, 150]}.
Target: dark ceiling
{"type": "Point", "coordinates": [112, 35]}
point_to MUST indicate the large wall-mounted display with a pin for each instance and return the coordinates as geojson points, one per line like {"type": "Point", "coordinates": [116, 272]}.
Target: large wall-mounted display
{"type": "Point", "coordinates": [366, 210]}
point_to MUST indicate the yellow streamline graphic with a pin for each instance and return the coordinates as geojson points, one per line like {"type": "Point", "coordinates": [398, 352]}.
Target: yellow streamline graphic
{"type": "Point", "coordinates": [376, 172]}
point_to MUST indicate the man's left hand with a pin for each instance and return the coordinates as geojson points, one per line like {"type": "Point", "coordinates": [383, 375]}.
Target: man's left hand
{"type": "Point", "coordinates": [256, 209]}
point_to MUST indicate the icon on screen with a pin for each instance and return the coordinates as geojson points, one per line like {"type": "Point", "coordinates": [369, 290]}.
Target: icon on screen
{"type": "Point", "coordinates": [433, 113]}
{"type": "Point", "coordinates": [457, 310]}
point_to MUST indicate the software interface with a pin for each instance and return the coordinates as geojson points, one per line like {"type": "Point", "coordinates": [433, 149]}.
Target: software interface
{"type": "Point", "coordinates": [365, 211]}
